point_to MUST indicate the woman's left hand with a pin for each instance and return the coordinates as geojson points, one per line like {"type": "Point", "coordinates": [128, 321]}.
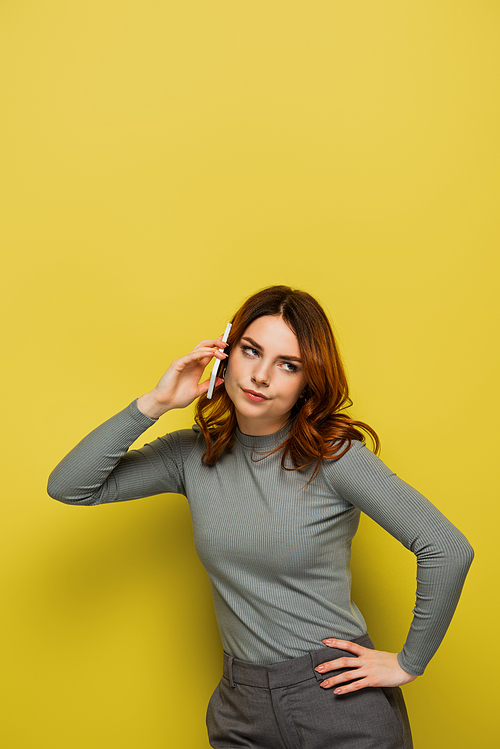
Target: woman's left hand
{"type": "Point", "coordinates": [370, 668]}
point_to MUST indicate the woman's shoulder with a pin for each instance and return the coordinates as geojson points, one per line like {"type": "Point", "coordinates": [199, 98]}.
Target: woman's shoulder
{"type": "Point", "coordinates": [351, 459]}
{"type": "Point", "coordinates": [340, 448]}
{"type": "Point", "coordinates": [180, 444]}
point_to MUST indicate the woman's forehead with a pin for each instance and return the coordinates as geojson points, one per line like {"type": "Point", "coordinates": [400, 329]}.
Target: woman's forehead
{"type": "Point", "coordinates": [271, 331]}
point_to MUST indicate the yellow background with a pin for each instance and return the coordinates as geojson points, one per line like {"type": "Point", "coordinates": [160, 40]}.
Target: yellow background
{"type": "Point", "coordinates": [160, 162]}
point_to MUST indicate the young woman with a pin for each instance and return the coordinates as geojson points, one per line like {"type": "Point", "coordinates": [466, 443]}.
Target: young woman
{"type": "Point", "coordinates": [276, 474]}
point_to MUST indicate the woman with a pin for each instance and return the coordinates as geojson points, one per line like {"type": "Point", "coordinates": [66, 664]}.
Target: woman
{"type": "Point", "coordinates": [276, 474]}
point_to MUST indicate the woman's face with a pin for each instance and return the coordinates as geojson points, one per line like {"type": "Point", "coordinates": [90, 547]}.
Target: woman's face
{"type": "Point", "coordinates": [265, 376]}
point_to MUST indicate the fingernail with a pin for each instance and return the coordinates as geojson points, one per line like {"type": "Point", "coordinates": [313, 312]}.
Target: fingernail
{"type": "Point", "coordinates": [327, 642]}
{"type": "Point", "coordinates": [324, 683]}
{"type": "Point", "coordinates": [337, 691]}
{"type": "Point", "coordinates": [320, 668]}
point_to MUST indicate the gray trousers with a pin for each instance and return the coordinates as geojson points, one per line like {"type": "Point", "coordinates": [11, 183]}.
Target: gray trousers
{"type": "Point", "coordinates": [282, 706]}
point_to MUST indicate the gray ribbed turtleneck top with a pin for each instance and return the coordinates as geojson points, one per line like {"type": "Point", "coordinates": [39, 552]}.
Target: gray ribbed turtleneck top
{"type": "Point", "coordinates": [276, 550]}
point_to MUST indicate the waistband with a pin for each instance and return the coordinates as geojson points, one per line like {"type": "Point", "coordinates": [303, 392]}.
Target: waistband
{"type": "Point", "coordinates": [284, 673]}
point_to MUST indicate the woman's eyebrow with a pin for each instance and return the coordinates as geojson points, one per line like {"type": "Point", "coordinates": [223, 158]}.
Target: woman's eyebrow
{"type": "Point", "coordinates": [257, 346]}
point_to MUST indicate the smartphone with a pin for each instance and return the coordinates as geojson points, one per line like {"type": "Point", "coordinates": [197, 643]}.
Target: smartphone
{"type": "Point", "coordinates": [213, 376]}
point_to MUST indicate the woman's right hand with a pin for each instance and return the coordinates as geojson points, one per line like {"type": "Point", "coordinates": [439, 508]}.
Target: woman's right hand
{"type": "Point", "coordinates": [180, 385]}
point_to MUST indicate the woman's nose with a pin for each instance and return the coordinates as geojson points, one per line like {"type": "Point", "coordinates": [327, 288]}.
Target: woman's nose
{"type": "Point", "coordinates": [261, 374]}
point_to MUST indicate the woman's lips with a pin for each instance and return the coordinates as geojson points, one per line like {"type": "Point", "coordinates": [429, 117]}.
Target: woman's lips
{"type": "Point", "coordinates": [254, 396]}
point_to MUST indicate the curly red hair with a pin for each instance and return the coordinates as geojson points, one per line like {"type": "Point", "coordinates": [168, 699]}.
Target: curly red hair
{"type": "Point", "coordinates": [319, 427]}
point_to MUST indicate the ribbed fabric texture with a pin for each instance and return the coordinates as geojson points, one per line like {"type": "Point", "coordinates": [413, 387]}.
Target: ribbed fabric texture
{"type": "Point", "coordinates": [277, 551]}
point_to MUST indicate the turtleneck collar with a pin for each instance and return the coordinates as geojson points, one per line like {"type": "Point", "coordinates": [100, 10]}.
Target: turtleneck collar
{"type": "Point", "coordinates": [264, 441]}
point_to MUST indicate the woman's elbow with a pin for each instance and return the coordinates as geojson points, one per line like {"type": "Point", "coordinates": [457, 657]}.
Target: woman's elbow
{"type": "Point", "coordinates": [468, 553]}
{"type": "Point", "coordinates": [54, 489]}
{"type": "Point", "coordinates": [65, 494]}
{"type": "Point", "coordinates": [461, 554]}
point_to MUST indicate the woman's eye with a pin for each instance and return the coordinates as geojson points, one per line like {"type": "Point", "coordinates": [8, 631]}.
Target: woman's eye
{"type": "Point", "coordinates": [249, 351]}
{"type": "Point", "coordinates": [254, 354]}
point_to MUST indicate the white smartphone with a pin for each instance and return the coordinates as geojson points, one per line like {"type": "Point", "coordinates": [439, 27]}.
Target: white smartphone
{"type": "Point", "coordinates": [213, 376]}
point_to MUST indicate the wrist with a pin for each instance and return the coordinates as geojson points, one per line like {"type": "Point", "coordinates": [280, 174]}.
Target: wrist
{"type": "Point", "coordinates": [404, 668]}
{"type": "Point", "coordinates": [150, 406]}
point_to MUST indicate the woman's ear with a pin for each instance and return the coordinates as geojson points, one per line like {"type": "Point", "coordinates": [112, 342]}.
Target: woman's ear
{"type": "Point", "coordinates": [304, 396]}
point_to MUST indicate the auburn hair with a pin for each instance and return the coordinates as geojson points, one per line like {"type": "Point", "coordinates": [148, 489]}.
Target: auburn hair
{"type": "Point", "coordinates": [320, 428]}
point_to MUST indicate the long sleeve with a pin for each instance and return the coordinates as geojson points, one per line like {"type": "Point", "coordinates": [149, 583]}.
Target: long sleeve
{"type": "Point", "coordinates": [443, 553]}
{"type": "Point", "coordinates": [101, 468]}
{"type": "Point", "coordinates": [270, 542]}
